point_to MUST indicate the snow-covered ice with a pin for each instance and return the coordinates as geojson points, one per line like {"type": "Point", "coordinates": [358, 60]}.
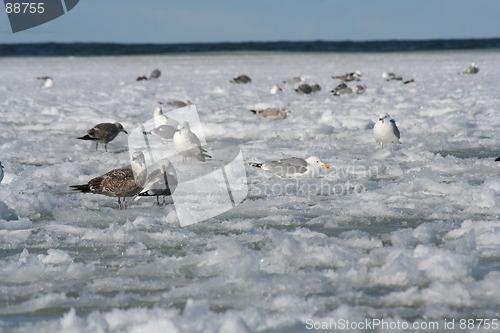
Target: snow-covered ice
{"type": "Point", "coordinates": [410, 234]}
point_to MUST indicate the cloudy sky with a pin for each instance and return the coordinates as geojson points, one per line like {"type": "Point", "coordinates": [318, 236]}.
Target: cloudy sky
{"type": "Point", "coordinates": [185, 21]}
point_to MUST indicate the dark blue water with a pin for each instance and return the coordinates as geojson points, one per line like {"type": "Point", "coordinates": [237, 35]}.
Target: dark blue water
{"type": "Point", "coordinates": [112, 49]}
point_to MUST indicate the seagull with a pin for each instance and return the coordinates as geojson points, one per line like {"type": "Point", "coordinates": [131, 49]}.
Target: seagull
{"type": "Point", "coordinates": [341, 89]}
{"type": "Point", "coordinates": [187, 143]}
{"type": "Point", "coordinates": [389, 76]}
{"type": "Point", "coordinates": [293, 80]}
{"type": "Point", "coordinates": [293, 167]}
{"type": "Point", "coordinates": [315, 87]}
{"type": "Point", "coordinates": [275, 89]}
{"type": "Point", "coordinates": [241, 79]}
{"type": "Point", "coordinates": [304, 89]}
{"type": "Point", "coordinates": [161, 181]}
{"type": "Point", "coordinates": [472, 69]}
{"type": "Point", "coordinates": [1, 172]}
{"type": "Point", "coordinates": [103, 133]}
{"type": "Point", "coordinates": [359, 89]}
{"type": "Point", "coordinates": [353, 76]}
{"type": "Point", "coordinates": [48, 82]}
{"type": "Point", "coordinates": [344, 89]}
{"type": "Point", "coordinates": [160, 119]}
{"type": "Point", "coordinates": [164, 132]}
{"type": "Point", "coordinates": [156, 73]}
{"type": "Point", "coordinates": [386, 131]}
{"type": "Point", "coordinates": [271, 113]}
{"type": "Point", "coordinates": [120, 183]}
{"type": "Point", "coordinates": [176, 103]}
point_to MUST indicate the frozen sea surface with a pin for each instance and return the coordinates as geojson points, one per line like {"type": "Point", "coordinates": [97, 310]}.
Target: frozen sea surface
{"type": "Point", "coordinates": [409, 235]}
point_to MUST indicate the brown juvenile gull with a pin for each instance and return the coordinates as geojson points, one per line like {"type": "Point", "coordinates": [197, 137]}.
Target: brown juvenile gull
{"type": "Point", "coordinates": [241, 79]}
{"type": "Point", "coordinates": [271, 113]}
{"type": "Point", "coordinates": [187, 144]}
{"type": "Point", "coordinates": [161, 181]}
{"type": "Point", "coordinates": [120, 183]}
{"type": "Point", "coordinates": [293, 167]}
{"type": "Point", "coordinates": [103, 133]}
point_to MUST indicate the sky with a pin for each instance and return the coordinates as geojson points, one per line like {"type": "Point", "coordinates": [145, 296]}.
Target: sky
{"type": "Point", "coordinates": [187, 21]}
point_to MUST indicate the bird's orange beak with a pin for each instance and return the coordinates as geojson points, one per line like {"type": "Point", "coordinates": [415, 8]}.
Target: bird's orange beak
{"type": "Point", "coordinates": [326, 166]}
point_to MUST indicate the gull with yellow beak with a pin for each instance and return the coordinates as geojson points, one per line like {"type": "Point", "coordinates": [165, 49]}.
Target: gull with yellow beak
{"type": "Point", "coordinates": [293, 167]}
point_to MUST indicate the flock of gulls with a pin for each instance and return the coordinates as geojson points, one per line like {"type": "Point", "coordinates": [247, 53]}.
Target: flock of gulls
{"type": "Point", "coordinates": [135, 180]}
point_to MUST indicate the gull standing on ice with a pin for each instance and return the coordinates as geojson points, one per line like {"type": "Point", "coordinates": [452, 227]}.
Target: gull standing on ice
{"type": "Point", "coordinates": [48, 82]}
{"type": "Point", "coordinates": [177, 103]}
{"type": "Point", "coordinates": [386, 131]}
{"type": "Point", "coordinates": [275, 89]}
{"type": "Point", "coordinates": [120, 183]}
{"type": "Point", "coordinates": [187, 143]}
{"type": "Point", "coordinates": [304, 89]}
{"type": "Point", "coordinates": [272, 113]}
{"type": "Point", "coordinates": [156, 73]}
{"type": "Point", "coordinates": [293, 167]}
{"type": "Point", "coordinates": [160, 119]}
{"type": "Point", "coordinates": [293, 80]}
{"type": "Point", "coordinates": [241, 79]}
{"type": "Point", "coordinates": [161, 181]}
{"type": "Point", "coordinates": [1, 172]}
{"type": "Point", "coordinates": [472, 69]}
{"type": "Point", "coordinates": [103, 133]}
{"type": "Point", "coordinates": [353, 76]}
{"type": "Point", "coordinates": [165, 127]}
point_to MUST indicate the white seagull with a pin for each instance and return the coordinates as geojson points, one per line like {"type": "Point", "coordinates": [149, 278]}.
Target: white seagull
{"type": "Point", "coordinates": [386, 131]}
{"type": "Point", "coordinates": [187, 143]}
{"type": "Point", "coordinates": [293, 167]}
{"type": "Point", "coordinates": [161, 181]}
{"type": "Point", "coordinates": [472, 69]}
{"type": "Point", "coordinates": [160, 119]}
{"type": "Point", "coordinates": [48, 82]}
{"type": "Point", "coordinates": [275, 89]}
{"type": "Point", "coordinates": [271, 113]}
